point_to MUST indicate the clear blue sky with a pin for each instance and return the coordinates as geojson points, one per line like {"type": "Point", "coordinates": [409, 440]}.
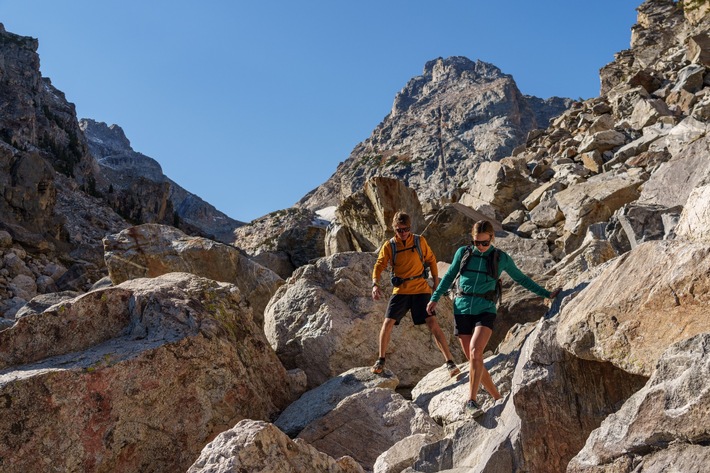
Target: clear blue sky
{"type": "Point", "coordinates": [250, 105]}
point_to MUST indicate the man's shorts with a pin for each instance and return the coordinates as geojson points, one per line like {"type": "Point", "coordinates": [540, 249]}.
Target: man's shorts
{"type": "Point", "coordinates": [465, 324]}
{"type": "Point", "coordinates": [400, 303]}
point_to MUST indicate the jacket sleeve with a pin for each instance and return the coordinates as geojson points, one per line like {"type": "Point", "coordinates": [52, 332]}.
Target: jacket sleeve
{"type": "Point", "coordinates": [448, 279]}
{"type": "Point", "coordinates": [383, 260]}
{"type": "Point", "coordinates": [429, 257]}
{"type": "Point", "coordinates": [508, 265]}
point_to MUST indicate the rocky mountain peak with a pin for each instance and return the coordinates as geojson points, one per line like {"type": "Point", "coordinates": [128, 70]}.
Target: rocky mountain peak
{"type": "Point", "coordinates": [111, 139]}
{"type": "Point", "coordinates": [443, 125]}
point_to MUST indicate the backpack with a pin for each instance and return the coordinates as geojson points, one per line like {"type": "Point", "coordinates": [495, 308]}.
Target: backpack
{"type": "Point", "coordinates": [494, 295]}
{"type": "Point", "coordinates": [397, 281]}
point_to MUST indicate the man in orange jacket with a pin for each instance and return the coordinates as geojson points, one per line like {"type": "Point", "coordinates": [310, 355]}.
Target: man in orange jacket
{"type": "Point", "coordinates": [412, 291]}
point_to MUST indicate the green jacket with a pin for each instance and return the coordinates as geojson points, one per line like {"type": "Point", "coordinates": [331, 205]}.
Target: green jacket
{"type": "Point", "coordinates": [474, 279]}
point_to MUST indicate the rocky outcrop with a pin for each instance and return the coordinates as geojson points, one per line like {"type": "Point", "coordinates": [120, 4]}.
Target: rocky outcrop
{"type": "Point", "coordinates": [658, 284]}
{"type": "Point", "coordinates": [381, 416]}
{"type": "Point", "coordinates": [283, 240]}
{"type": "Point", "coordinates": [150, 250]}
{"type": "Point", "coordinates": [363, 220]}
{"type": "Point", "coordinates": [442, 126]}
{"type": "Point", "coordinates": [134, 185]}
{"type": "Point", "coordinates": [664, 425]}
{"type": "Point", "coordinates": [250, 445]}
{"type": "Point", "coordinates": [134, 377]}
{"type": "Point", "coordinates": [317, 402]}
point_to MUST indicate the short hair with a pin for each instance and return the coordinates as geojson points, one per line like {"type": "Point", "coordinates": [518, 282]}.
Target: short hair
{"type": "Point", "coordinates": [482, 226]}
{"type": "Point", "coordinates": [401, 218]}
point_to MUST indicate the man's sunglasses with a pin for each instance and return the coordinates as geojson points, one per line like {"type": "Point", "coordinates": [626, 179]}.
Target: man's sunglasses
{"type": "Point", "coordinates": [402, 230]}
{"type": "Point", "coordinates": [482, 242]}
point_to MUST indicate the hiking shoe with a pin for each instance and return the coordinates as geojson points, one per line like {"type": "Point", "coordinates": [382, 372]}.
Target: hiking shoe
{"type": "Point", "coordinates": [379, 366]}
{"type": "Point", "coordinates": [453, 369]}
{"type": "Point", "coordinates": [472, 408]}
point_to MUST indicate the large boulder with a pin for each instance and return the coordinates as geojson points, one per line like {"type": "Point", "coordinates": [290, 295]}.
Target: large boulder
{"type": "Point", "coordinates": [450, 228]}
{"type": "Point", "coordinates": [319, 401]}
{"type": "Point", "coordinates": [137, 377]}
{"type": "Point", "coordinates": [367, 213]}
{"type": "Point", "coordinates": [598, 198]}
{"type": "Point", "coordinates": [694, 222]}
{"type": "Point", "coordinates": [674, 180]}
{"type": "Point", "coordinates": [560, 399]}
{"type": "Point", "coordinates": [151, 250]}
{"type": "Point", "coordinates": [663, 427]}
{"type": "Point", "coordinates": [499, 186]}
{"type": "Point", "coordinates": [643, 302]}
{"type": "Point", "coordinates": [254, 446]}
{"type": "Point", "coordinates": [366, 424]}
{"type": "Point", "coordinates": [324, 321]}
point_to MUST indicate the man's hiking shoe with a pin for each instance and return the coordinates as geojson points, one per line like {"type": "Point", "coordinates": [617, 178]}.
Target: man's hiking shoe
{"type": "Point", "coordinates": [471, 408]}
{"type": "Point", "coordinates": [378, 367]}
{"type": "Point", "coordinates": [453, 369]}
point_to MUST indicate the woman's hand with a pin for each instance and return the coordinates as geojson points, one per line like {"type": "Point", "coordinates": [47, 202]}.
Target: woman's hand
{"type": "Point", "coordinates": [555, 293]}
{"type": "Point", "coordinates": [431, 308]}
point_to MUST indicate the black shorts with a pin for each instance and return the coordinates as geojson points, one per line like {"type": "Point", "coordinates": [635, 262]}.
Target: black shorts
{"type": "Point", "coordinates": [465, 324]}
{"type": "Point", "coordinates": [416, 303]}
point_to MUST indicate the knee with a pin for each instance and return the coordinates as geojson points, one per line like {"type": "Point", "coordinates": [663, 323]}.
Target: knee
{"type": "Point", "coordinates": [476, 355]}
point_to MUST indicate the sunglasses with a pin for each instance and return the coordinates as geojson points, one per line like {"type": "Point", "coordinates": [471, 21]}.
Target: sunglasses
{"type": "Point", "coordinates": [482, 242]}
{"type": "Point", "coordinates": [402, 230]}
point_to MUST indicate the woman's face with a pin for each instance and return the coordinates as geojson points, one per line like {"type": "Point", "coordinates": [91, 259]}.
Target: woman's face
{"type": "Point", "coordinates": [482, 240]}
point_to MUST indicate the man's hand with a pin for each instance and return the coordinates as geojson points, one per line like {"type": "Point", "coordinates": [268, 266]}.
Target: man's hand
{"type": "Point", "coordinates": [376, 293]}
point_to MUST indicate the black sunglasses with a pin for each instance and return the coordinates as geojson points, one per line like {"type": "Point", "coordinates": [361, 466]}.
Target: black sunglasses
{"type": "Point", "coordinates": [402, 230]}
{"type": "Point", "coordinates": [482, 242]}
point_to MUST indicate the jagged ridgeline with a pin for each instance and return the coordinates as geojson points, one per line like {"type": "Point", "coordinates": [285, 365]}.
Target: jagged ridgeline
{"type": "Point", "coordinates": [443, 125]}
{"type": "Point", "coordinates": [127, 344]}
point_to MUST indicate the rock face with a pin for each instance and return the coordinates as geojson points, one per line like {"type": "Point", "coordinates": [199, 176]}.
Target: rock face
{"type": "Point", "coordinates": [657, 284]}
{"type": "Point", "coordinates": [136, 187]}
{"type": "Point", "coordinates": [283, 240]}
{"type": "Point", "coordinates": [137, 377]}
{"type": "Point", "coordinates": [379, 415]}
{"type": "Point", "coordinates": [151, 250]}
{"type": "Point", "coordinates": [664, 425]}
{"type": "Point", "coordinates": [443, 124]}
{"type": "Point", "coordinates": [250, 445]}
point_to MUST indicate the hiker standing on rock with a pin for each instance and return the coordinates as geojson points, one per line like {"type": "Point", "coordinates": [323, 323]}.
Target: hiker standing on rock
{"type": "Point", "coordinates": [475, 304]}
{"type": "Point", "coordinates": [411, 259]}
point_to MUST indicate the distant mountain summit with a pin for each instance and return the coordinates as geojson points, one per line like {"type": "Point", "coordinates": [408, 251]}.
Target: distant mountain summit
{"type": "Point", "coordinates": [134, 185]}
{"type": "Point", "coordinates": [443, 124]}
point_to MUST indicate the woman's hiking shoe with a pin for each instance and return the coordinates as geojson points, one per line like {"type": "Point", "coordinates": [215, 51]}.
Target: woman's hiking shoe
{"type": "Point", "coordinates": [472, 408]}
{"type": "Point", "coordinates": [379, 366]}
{"type": "Point", "coordinates": [453, 369]}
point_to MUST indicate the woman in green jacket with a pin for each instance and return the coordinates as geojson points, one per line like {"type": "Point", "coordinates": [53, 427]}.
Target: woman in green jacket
{"type": "Point", "coordinates": [475, 306]}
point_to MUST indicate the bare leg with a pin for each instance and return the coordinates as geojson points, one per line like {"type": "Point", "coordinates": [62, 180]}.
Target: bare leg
{"type": "Point", "coordinates": [480, 338]}
{"type": "Point", "coordinates": [486, 379]}
{"type": "Point", "coordinates": [439, 337]}
{"type": "Point", "coordinates": [385, 334]}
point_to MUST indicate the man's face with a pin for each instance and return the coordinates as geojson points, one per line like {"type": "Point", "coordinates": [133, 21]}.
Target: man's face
{"type": "Point", "coordinates": [402, 231]}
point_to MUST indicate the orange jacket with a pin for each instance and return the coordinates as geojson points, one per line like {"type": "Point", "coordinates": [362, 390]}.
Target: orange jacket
{"type": "Point", "coordinates": [408, 265]}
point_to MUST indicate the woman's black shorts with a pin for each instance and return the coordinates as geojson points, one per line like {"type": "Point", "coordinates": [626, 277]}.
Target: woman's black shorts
{"type": "Point", "coordinates": [465, 324]}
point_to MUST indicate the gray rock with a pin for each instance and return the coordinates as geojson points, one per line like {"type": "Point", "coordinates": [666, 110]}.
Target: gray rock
{"type": "Point", "coordinates": [251, 446]}
{"type": "Point", "coordinates": [319, 401]}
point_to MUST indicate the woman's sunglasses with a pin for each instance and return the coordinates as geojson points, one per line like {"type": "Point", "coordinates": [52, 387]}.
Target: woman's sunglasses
{"type": "Point", "coordinates": [482, 242]}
